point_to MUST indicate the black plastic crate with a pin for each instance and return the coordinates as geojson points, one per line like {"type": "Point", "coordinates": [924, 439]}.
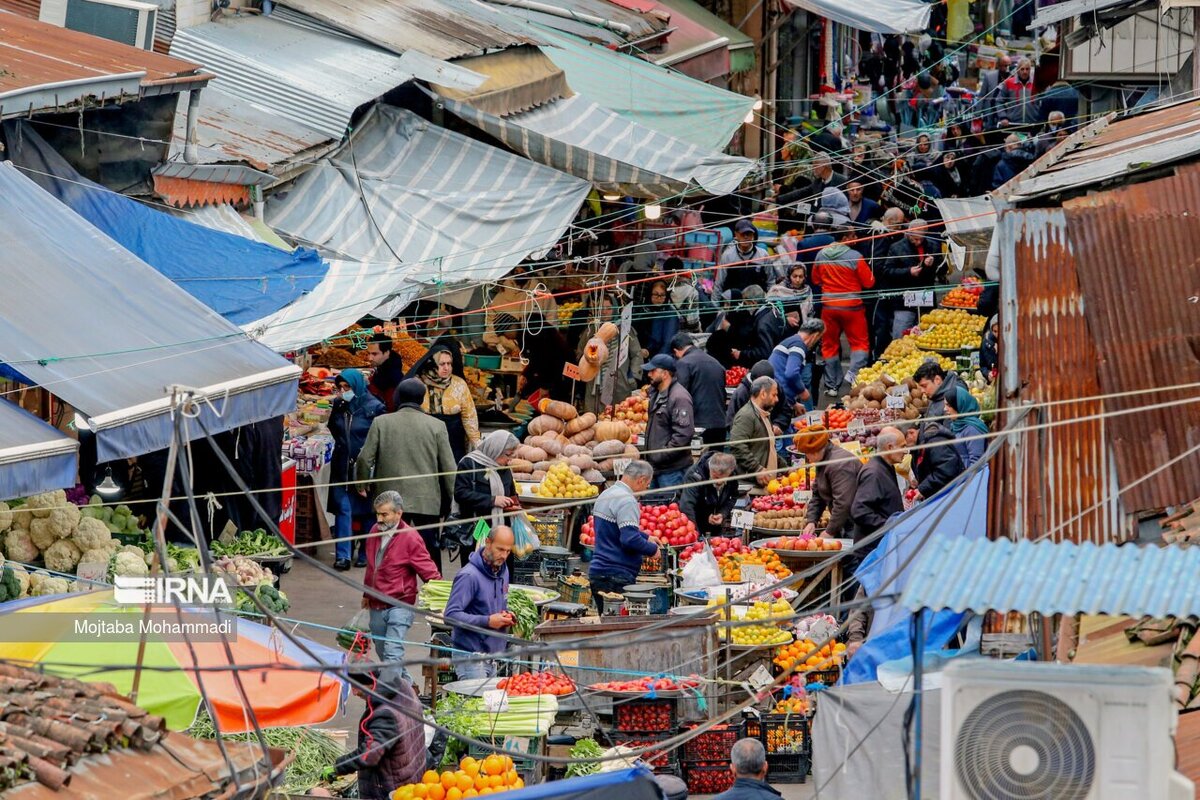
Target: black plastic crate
{"type": "Point", "coordinates": [788, 768]}
{"type": "Point", "coordinates": [529, 769]}
{"type": "Point", "coordinates": [786, 733]}
{"type": "Point", "coordinates": [714, 744]}
{"type": "Point", "coordinates": [645, 716]}
{"type": "Point", "coordinates": [829, 677]}
{"type": "Point", "coordinates": [550, 527]}
{"type": "Point", "coordinates": [524, 569]}
{"type": "Point", "coordinates": [659, 760]}
{"type": "Point", "coordinates": [708, 778]}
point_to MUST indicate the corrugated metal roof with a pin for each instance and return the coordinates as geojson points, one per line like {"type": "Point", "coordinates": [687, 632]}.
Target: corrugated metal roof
{"type": "Point", "coordinates": [1054, 578]}
{"type": "Point", "coordinates": [438, 28]}
{"type": "Point", "coordinates": [314, 79]}
{"type": "Point", "coordinates": [518, 79]}
{"type": "Point", "coordinates": [185, 192]}
{"type": "Point", "coordinates": [26, 8]}
{"type": "Point", "coordinates": [1136, 252]}
{"type": "Point", "coordinates": [35, 54]}
{"type": "Point", "coordinates": [1111, 148]}
{"type": "Point", "coordinates": [640, 24]}
{"type": "Point", "coordinates": [1051, 475]}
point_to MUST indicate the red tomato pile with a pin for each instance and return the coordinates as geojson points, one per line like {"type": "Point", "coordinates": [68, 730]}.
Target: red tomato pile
{"type": "Point", "coordinates": [838, 418]}
{"type": "Point", "coordinates": [644, 685]}
{"type": "Point", "coordinates": [709, 777]}
{"type": "Point", "coordinates": [587, 533]}
{"type": "Point", "coordinates": [528, 684]}
{"type": "Point", "coordinates": [721, 545]}
{"type": "Point", "coordinates": [668, 524]}
{"type": "Point", "coordinates": [734, 375]}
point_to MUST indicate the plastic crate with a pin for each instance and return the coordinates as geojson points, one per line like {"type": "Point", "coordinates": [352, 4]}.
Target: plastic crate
{"type": "Point", "coordinates": [826, 676]}
{"type": "Point", "coordinates": [550, 526]}
{"type": "Point", "coordinates": [529, 769]}
{"type": "Point", "coordinates": [654, 565]}
{"type": "Point", "coordinates": [708, 778]}
{"type": "Point", "coordinates": [659, 760]}
{"type": "Point", "coordinates": [712, 745]}
{"type": "Point", "coordinates": [788, 768]}
{"type": "Point", "coordinates": [524, 569]}
{"type": "Point", "coordinates": [631, 716]}
{"type": "Point", "coordinates": [786, 733]}
{"type": "Point", "coordinates": [571, 593]}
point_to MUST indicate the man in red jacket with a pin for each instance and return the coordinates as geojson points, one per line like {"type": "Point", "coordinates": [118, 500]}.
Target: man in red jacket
{"type": "Point", "coordinates": [843, 274]}
{"type": "Point", "coordinates": [396, 557]}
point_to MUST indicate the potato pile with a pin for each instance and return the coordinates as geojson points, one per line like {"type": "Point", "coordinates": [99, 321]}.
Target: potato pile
{"type": "Point", "coordinates": [561, 435]}
{"type": "Point", "coordinates": [874, 396]}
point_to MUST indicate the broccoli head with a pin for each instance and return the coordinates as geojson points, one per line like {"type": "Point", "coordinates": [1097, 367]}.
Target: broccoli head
{"type": "Point", "coordinates": [10, 587]}
{"type": "Point", "coordinates": [62, 556]}
{"type": "Point", "coordinates": [19, 546]}
{"type": "Point", "coordinates": [22, 578]}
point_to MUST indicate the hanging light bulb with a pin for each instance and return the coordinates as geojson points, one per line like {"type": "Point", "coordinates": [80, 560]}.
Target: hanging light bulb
{"type": "Point", "coordinates": [758, 104]}
{"type": "Point", "coordinates": [611, 198]}
{"type": "Point", "coordinates": [749, 118]}
{"type": "Point", "coordinates": [108, 487]}
{"type": "Point", "coordinates": [653, 211]}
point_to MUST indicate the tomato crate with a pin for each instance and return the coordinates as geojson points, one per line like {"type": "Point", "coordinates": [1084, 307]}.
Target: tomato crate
{"type": "Point", "coordinates": [709, 778]}
{"type": "Point", "coordinates": [659, 760]}
{"type": "Point", "coordinates": [788, 768]}
{"type": "Point", "coordinates": [786, 733]}
{"type": "Point", "coordinates": [645, 716]}
{"type": "Point", "coordinates": [712, 745]}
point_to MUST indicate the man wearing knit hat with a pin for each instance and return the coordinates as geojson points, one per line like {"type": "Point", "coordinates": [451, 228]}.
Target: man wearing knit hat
{"type": "Point", "coordinates": [837, 481]}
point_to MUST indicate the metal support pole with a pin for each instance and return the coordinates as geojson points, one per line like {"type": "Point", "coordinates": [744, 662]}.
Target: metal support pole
{"type": "Point", "coordinates": [918, 698]}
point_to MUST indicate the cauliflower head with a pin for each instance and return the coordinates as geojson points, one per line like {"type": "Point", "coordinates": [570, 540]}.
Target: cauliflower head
{"type": "Point", "coordinates": [62, 556]}
{"type": "Point", "coordinates": [128, 564]}
{"type": "Point", "coordinates": [65, 518]}
{"type": "Point", "coordinates": [41, 505]}
{"type": "Point", "coordinates": [6, 517]}
{"type": "Point", "coordinates": [43, 533]}
{"type": "Point", "coordinates": [52, 586]}
{"type": "Point", "coordinates": [95, 555]}
{"type": "Point", "coordinates": [91, 533]}
{"type": "Point", "coordinates": [19, 546]}
{"type": "Point", "coordinates": [22, 517]}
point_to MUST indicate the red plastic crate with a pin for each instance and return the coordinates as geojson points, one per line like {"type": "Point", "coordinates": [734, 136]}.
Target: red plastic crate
{"type": "Point", "coordinates": [658, 759]}
{"type": "Point", "coordinates": [714, 744]}
{"type": "Point", "coordinates": [644, 716]}
{"type": "Point", "coordinates": [708, 778]}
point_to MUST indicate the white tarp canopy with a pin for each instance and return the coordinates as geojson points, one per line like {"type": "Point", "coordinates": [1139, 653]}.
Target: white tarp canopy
{"type": "Point", "coordinates": [877, 16]}
{"type": "Point", "coordinates": [407, 205]}
{"type": "Point", "coordinates": [108, 333]}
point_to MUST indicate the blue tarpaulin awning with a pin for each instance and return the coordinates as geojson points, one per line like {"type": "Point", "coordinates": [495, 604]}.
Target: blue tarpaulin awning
{"type": "Point", "coordinates": [241, 279]}
{"type": "Point", "coordinates": [34, 457]}
{"type": "Point", "coordinates": [107, 333]}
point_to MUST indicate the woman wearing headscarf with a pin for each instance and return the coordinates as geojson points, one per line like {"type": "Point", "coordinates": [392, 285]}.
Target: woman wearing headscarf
{"type": "Point", "coordinates": [657, 322]}
{"type": "Point", "coordinates": [448, 398]}
{"type": "Point", "coordinates": [349, 420]}
{"type": "Point", "coordinates": [484, 485]}
{"type": "Point", "coordinates": [963, 410]}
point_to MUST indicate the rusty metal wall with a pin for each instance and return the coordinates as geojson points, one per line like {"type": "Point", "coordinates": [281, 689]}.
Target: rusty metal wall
{"type": "Point", "coordinates": [1051, 477]}
{"type": "Point", "coordinates": [25, 8]}
{"type": "Point", "coordinates": [1137, 250]}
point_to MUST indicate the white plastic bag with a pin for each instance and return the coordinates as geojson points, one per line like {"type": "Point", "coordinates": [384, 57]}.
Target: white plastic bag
{"type": "Point", "coordinates": [702, 570]}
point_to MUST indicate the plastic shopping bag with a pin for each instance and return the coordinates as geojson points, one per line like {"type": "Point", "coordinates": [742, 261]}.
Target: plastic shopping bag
{"type": "Point", "coordinates": [525, 540]}
{"type": "Point", "coordinates": [702, 570]}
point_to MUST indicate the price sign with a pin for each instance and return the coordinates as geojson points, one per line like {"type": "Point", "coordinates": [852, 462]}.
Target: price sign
{"type": "Point", "coordinates": [814, 418]}
{"type": "Point", "coordinates": [760, 678]}
{"type": "Point", "coordinates": [571, 371]}
{"type": "Point", "coordinates": [974, 359]}
{"type": "Point", "coordinates": [96, 571]}
{"type": "Point", "coordinates": [917, 299]}
{"type": "Point", "coordinates": [801, 496]}
{"type": "Point", "coordinates": [619, 465]}
{"type": "Point", "coordinates": [894, 401]}
{"type": "Point", "coordinates": [516, 744]}
{"type": "Point", "coordinates": [856, 427]}
{"type": "Point", "coordinates": [755, 573]}
{"type": "Point", "coordinates": [569, 658]}
{"type": "Point", "coordinates": [742, 519]}
{"type": "Point", "coordinates": [495, 700]}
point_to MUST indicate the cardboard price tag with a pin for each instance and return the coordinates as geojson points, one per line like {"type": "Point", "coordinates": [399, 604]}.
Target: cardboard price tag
{"type": "Point", "coordinates": [516, 744]}
{"type": "Point", "coordinates": [619, 465]}
{"type": "Point", "coordinates": [756, 573]}
{"type": "Point", "coordinates": [760, 678]}
{"type": "Point", "coordinates": [571, 371]}
{"type": "Point", "coordinates": [802, 496]}
{"type": "Point", "coordinates": [495, 700]}
{"type": "Point", "coordinates": [856, 427]}
{"type": "Point", "coordinates": [893, 401]}
{"type": "Point", "coordinates": [569, 658]}
{"type": "Point", "coordinates": [814, 418]}
{"type": "Point", "coordinates": [95, 571]}
{"type": "Point", "coordinates": [742, 519]}
{"type": "Point", "coordinates": [917, 299]}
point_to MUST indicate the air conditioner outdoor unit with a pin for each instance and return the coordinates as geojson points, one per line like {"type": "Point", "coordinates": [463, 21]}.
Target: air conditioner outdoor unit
{"type": "Point", "coordinates": [125, 21]}
{"type": "Point", "coordinates": [1058, 732]}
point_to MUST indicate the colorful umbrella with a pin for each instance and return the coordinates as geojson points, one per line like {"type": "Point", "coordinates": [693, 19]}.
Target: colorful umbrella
{"type": "Point", "coordinates": [279, 697]}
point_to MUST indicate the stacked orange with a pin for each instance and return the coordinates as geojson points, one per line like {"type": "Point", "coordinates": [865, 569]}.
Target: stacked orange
{"type": "Point", "coordinates": [791, 705]}
{"type": "Point", "coordinates": [473, 778]}
{"type": "Point", "coordinates": [806, 655]}
{"type": "Point", "coordinates": [731, 565]}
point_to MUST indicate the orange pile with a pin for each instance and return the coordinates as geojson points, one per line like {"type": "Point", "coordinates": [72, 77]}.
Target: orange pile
{"type": "Point", "coordinates": [791, 705]}
{"type": "Point", "coordinates": [805, 655]}
{"type": "Point", "coordinates": [731, 565]}
{"type": "Point", "coordinates": [473, 778]}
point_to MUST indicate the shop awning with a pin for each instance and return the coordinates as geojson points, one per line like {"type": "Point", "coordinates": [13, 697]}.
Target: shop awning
{"type": "Point", "coordinates": [34, 457]}
{"type": "Point", "coordinates": [240, 279]}
{"type": "Point", "coordinates": [106, 332]}
{"type": "Point", "coordinates": [408, 205]}
{"type": "Point", "coordinates": [611, 152]}
{"type": "Point", "coordinates": [518, 79]}
{"type": "Point", "coordinates": [877, 16]}
{"type": "Point", "coordinates": [659, 98]}
{"type": "Point", "coordinates": [686, 14]}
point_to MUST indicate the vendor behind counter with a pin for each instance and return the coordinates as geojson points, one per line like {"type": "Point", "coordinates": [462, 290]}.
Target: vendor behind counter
{"type": "Point", "coordinates": [620, 543]}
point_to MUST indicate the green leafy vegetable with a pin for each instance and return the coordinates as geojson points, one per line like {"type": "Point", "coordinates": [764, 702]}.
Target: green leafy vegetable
{"type": "Point", "coordinates": [585, 749]}
{"type": "Point", "coordinates": [314, 749]}
{"type": "Point", "coordinates": [523, 608]}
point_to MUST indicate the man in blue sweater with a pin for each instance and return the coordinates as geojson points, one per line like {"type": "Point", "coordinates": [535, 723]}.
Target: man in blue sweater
{"type": "Point", "coordinates": [620, 544]}
{"type": "Point", "coordinates": [792, 361]}
{"type": "Point", "coordinates": [479, 597]}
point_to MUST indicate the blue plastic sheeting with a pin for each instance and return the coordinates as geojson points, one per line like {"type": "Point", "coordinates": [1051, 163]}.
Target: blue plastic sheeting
{"type": "Point", "coordinates": [34, 457]}
{"type": "Point", "coordinates": [241, 279]}
{"type": "Point", "coordinates": [630, 784]}
{"type": "Point", "coordinates": [958, 511]}
{"type": "Point", "coordinates": [108, 334]}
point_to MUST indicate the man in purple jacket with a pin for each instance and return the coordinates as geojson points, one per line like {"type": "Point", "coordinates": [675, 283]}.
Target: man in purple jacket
{"type": "Point", "coordinates": [479, 597]}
